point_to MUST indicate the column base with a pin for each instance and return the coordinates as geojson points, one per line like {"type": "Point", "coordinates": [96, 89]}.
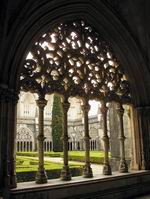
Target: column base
{"type": "Point", "coordinates": [123, 167]}
{"type": "Point", "coordinates": [65, 174]}
{"type": "Point", "coordinates": [41, 177]}
{"type": "Point", "coordinates": [87, 171]}
{"type": "Point", "coordinates": [107, 169]}
{"type": "Point", "coordinates": [13, 181]}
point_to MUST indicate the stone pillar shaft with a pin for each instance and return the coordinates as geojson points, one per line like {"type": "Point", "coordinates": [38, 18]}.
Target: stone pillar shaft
{"type": "Point", "coordinates": [106, 168]}
{"type": "Point", "coordinates": [142, 136]}
{"type": "Point", "coordinates": [8, 102]}
{"type": "Point", "coordinates": [123, 168]}
{"type": "Point", "coordinates": [65, 173]}
{"type": "Point", "coordinates": [87, 171]}
{"type": "Point", "coordinates": [41, 176]}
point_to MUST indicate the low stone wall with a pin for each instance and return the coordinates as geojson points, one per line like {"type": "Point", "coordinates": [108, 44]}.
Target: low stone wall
{"type": "Point", "coordinates": [117, 186]}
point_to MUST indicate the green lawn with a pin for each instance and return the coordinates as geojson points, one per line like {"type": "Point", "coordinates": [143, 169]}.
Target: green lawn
{"type": "Point", "coordinates": [82, 153]}
{"type": "Point", "coordinates": [95, 157]}
{"type": "Point", "coordinates": [35, 154]}
{"type": "Point", "coordinates": [25, 164]}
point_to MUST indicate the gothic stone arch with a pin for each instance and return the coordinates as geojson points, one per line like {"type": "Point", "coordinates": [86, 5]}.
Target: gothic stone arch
{"type": "Point", "coordinates": [24, 31]}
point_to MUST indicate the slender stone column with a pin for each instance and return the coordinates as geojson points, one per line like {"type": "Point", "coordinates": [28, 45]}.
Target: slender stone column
{"type": "Point", "coordinates": [65, 173]}
{"type": "Point", "coordinates": [12, 100]}
{"type": "Point", "coordinates": [87, 170]}
{"type": "Point", "coordinates": [8, 102]}
{"type": "Point", "coordinates": [142, 136]}
{"type": "Point", "coordinates": [106, 168]}
{"type": "Point", "coordinates": [123, 168]}
{"type": "Point", "coordinates": [41, 176]}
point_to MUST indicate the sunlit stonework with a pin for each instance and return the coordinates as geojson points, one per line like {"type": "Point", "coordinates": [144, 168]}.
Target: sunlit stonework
{"type": "Point", "coordinates": [73, 60]}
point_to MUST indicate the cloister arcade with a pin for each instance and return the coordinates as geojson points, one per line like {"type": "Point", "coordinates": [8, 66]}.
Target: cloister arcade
{"type": "Point", "coordinates": [73, 60]}
{"type": "Point", "coordinates": [27, 119]}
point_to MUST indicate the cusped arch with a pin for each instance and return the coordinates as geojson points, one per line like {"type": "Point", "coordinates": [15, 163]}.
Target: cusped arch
{"type": "Point", "coordinates": [24, 134]}
{"type": "Point", "coordinates": [72, 59]}
{"type": "Point", "coordinates": [27, 98]}
{"type": "Point", "coordinates": [106, 22]}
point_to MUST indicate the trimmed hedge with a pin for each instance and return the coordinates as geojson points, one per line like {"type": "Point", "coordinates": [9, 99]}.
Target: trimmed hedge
{"type": "Point", "coordinates": [97, 160]}
{"type": "Point", "coordinates": [29, 154]}
{"type": "Point", "coordinates": [96, 157]}
{"type": "Point", "coordinates": [57, 124]}
{"type": "Point", "coordinates": [52, 174]}
{"type": "Point", "coordinates": [53, 154]}
{"type": "Point", "coordinates": [35, 154]}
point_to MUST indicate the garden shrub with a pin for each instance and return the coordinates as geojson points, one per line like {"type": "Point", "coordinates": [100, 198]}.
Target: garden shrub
{"type": "Point", "coordinates": [52, 174]}
{"type": "Point", "coordinates": [96, 160]}
{"type": "Point", "coordinates": [29, 154]}
{"type": "Point", "coordinates": [57, 124]}
{"type": "Point", "coordinates": [33, 162]}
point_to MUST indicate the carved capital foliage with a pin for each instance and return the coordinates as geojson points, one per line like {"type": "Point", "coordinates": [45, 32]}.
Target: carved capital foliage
{"type": "Point", "coordinates": [41, 138]}
{"type": "Point", "coordinates": [103, 108]}
{"type": "Point", "coordinates": [72, 59]}
{"type": "Point", "coordinates": [85, 107]}
{"type": "Point", "coordinates": [41, 103]}
{"type": "Point", "coordinates": [66, 106]}
{"type": "Point", "coordinates": [7, 95]}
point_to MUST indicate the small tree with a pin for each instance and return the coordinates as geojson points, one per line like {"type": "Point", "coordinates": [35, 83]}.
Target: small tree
{"type": "Point", "coordinates": [57, 124]}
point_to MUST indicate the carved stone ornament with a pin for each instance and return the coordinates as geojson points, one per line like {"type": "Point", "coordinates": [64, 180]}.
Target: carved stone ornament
{"type": "Point", "coordinates": [72, 59]}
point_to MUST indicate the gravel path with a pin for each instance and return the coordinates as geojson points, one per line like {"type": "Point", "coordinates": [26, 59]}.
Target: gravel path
{"type": "Point", "coordinates": [96, 168]}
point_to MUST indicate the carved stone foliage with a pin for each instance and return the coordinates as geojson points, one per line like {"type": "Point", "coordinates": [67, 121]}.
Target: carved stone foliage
{"type": "Point", "coordinates": [72, 59]}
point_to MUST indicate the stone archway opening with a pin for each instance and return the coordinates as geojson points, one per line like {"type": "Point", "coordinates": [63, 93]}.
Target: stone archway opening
{"type": "Point", "coordinates": [73, 60]}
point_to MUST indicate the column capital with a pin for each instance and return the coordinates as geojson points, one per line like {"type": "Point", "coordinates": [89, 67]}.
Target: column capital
{"type": "Point", "coordinates": [85, 107]}
{"type": "Point", "coordinates": [103, 107]}
{"type": "Point", "coordinates": [41, 137]}
{"type": "Point", "coordinates": [66, 106]}
{"type": "Point", "coordinates": [41, 102]}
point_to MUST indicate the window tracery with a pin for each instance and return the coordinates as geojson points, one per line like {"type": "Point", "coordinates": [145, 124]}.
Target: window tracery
{"type": "Point", "coordinates": [24, 134]}
{"type": "Point", "coordinates": [74, 60]}
{"type": "Point", "coordinates": [24, 139]}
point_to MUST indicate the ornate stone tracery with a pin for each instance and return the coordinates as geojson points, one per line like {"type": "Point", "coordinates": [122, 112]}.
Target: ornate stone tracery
{"type": "Point", "coordinates": [73, 60]}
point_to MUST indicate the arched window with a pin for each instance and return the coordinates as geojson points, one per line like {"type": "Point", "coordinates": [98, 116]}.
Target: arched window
{"type": "Point", "coordinates": [24, 139]}
{"type": "Point", "coordinates": [48, 139]}
{"type": "Point", "coordinates": [26, 105]}
{"type": "Point", "coordinates": [73, 60]}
